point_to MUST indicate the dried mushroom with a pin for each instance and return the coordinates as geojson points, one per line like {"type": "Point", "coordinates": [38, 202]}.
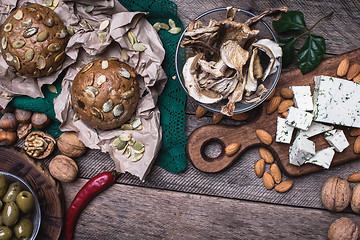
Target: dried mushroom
{"type": "Point", "coordinates": [39, 145]}
{"type": "Point", "coordinates": [227, 64]}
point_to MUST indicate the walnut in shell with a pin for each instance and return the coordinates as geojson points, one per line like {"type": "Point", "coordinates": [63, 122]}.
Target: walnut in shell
{"type": "Point", "coordinates": [355, 200]}
{"type": "Point", "coordinates": [63, 168]}
{"type": "Point", "coordinates": [39, 145]}
{"type": "Point", "coordinates": [69, 144]}
{"type": "Point", "coordinates": [336, 194]}
{"type": "Point", "coordinates": [343, 228]}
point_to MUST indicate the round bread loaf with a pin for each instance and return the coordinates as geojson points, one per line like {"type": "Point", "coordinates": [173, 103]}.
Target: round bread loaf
{"type": "Point", "coordinates": [33, 40]}
{"type": "Point", "coordinates": [105, 93]}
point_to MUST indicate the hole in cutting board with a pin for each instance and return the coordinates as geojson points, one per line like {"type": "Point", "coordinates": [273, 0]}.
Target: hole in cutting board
{"type": "Point", "coordinates": [212, 149]}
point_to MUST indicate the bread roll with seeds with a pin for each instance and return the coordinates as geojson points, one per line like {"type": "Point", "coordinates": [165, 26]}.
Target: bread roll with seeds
{"type": "Point", "coordinates": [105, 93]}
{"type": "Point", "coordinates": [33, 41]}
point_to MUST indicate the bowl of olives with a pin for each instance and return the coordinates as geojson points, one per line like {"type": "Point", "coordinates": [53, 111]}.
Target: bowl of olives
{"type": "Point", "coordinates": [20, 214]}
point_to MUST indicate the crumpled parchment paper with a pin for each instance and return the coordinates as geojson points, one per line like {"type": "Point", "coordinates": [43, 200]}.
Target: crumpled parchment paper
{"type": "Point", "coordinates": [85, 46]}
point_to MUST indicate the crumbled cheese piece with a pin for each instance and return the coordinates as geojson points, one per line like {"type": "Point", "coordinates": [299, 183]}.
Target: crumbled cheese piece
{"type": "Point", "coordinates": [283, 131]}
{"type": "Point", "coordinates": [299, 118]}
{"type": "Point", "coordinates": [315, 129]}
{"type": "Point", "coordinates": [337, 139]}
{"type": "Point", "coordinates": [302, 97]}
{"type": "Point", "coordinates": [301, 150]}
{"type": "Point", "coordinates": [323, 157]}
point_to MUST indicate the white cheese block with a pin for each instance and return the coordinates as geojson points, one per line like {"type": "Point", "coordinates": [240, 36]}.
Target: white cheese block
{"type": "Point", "coordinates": [301, 150]}
{"type": "Point", "coordinates": [283, 131]}
{"type": "Point", "coordinates": [336, 101]}
{"type": "Point", "coordinates": [337, 139]}
{"type": "Point", "coordinates": [302, 97]}
{"type": "Point", "coordinates": [299, 118]}
{"type": "Point", "coordinates": [315, 129]}
{"type": "Point", "coordinates": [323, 157]}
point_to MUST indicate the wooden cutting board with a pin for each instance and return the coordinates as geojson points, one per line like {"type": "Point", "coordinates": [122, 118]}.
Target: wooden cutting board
{"type": "Point", "coordinates": [245, 134]}
{"type": "Point", "coordinates": [48, 191]}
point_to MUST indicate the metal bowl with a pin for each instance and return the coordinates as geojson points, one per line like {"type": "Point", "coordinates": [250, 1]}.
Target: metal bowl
{"type": "Point", "coordinates": [241, 16]}
{"type": "Point", "coordinates": [36, 214]}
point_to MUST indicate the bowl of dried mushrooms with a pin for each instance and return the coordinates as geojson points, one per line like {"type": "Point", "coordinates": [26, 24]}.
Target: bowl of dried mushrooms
{"type": "Point", "coordinates": [228, 60]}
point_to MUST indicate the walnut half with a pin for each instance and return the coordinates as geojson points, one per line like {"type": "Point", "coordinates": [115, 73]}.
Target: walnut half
{"type": "Point", "coordinates": [39, 145]}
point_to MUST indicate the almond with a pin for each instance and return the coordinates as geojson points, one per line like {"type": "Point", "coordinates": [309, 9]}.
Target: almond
{"type": "Point", "coordinates": [217, 117]}
{"type": "Point", "coordinates": [240, 116]}
{"type": "Point", "coordinates": [232, 149]}
{"type": "Point", "coordinates": [273, 104]}
{"type": "Point", "coordinates": [284, 114]}
{"type": "Point", "coordinates": [284, 186]}
{"type": "Point", "coordinates": [343, 67]}
{"type": "Point", "coordinates": [264, 136]}
{"type": "Point", "coordinates": [275, 173]}
{"type": "Point", "coordinates": [286, 93]}
{"type": "Point", "coordinates": [357, 78]}
{"type": "Point", "coordinates": [357, 145]}
{"type": "Point", "coordinates": [354, 132]}
{"type": "Point", "coordinates": [354, 70]}
{"type": "Point", "coordinates": [271, 95]}
{"type": "Point", "coordinates": [268, 181]}
{"type": "Point", "coordinates": [200, 111]}
{"type": "Point", "coordinates": [259, 167]}
{"type": "Point", "coordinates": [266, 155]}
{"type": "Point", "coordinates": [284, 106]}
{"type": "Point", "coordinates": [355, 177]}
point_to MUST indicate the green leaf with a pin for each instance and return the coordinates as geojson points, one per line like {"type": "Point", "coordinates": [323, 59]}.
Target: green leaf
{"type": "Point", "coordinates": [311, 54]}
{"type": "Point", "coordinates": [292, 20]}
{"type": "Point", "coordinates": [288, 47]}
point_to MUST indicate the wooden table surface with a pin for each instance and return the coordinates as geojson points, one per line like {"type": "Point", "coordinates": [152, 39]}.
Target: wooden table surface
{"type": "Point", "coordinates": [232, 204]}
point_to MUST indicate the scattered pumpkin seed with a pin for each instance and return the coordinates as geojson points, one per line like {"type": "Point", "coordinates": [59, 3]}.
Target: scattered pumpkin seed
{"type": "Point", "coordinates": [104, 64]}
{"type": "Point", "coordinates": [19, 14]}
{"type": "Point", "coordinates": [136, 157]}
{"type": "Point", "coordinates": [54, 47]}
{"type": "Point", "coordinates": [119, 144]}
{"type": "Point", "coordinates": [31, 9]}
{"type": "Point", "coordinates": [124, 55]}
{"type": "Point", "coordinates": [55, 4]}
{"type": "Point", "coordinates": [136, 123]}
{"type": "Point", "coordinates": [17, 64]}
{"type": "Point", "coordinates": [70, 30]}
{"type": "Point", "coordinates": [48, 3]}
{"type": "Point", "coordinates": [125, 137]}
{"type": "Point", "coordinates": [97, 113]}
{"type": "Point", "coordinates": [30, 32]}
{"type": "Point", "coordinates": [9, 57]}
{"type": "Point", "coordinates": [102, 36]}
{"type": "Point", "coordinates": [172, 23]}
{"type": "Point", "coordinates": [4, 42]}
{"type": "Point", "coordinates": [100, 80]}
{"type": "Point", "coordinates": [50, 70]}
{"type": "Point", "coordinates": [87, 67]}
{"type": "Point", "coordinates": [84, 24]}
{"type": "Point", "coordinates": [29, 55]}
{"type": "Point", "coordinates": [157, 26]}
{"type": "Point", "coordinates": [126, 127]}
{"type": "Point", "coordinates": [139, 47]}
{"type": "Point", "coordinates": [104, 24]}
{"type": "Point", "coordinates": [59, 67]}
{"type": "Point", "coordinates": [88, 9]}
{"type": "Point", "coordinates": [7, 27]}
{"type": "Point", "coordinates": [76, 117]}
{"type": "Point", "coordinates": [131, 142]}
{"type": "Point", "coordinates": [42, 36]}
{"type": "Point", "coordinates": [61, 34]}
{"type": "Point", "coordinates": [26, 24]}
{"type": "Point", "coordinates": [108, 106]}
{"type": "Point", "coordinates": [18, 44]}
{"type": "Point", "coordinates": [132, 38]}
{"type": "Point", "coordinates": [139, 128]}
{"type": "Point", "coordinates": [59, 57]}
{"type": "Point", "coordinates": [175, 30]}
{"type": "Point", "coordinates": [52, 88]}
{"type": "Point", "coordinates": [124, 73]}
{"type": "Point", "coordinates": [118, 110]}
{"type": "Point", "coordinates": [49, 22]}
{"type": "Point", "coordinates": [40, 62]}
{"type": "Point", "coordinates": [128, 152]}
{"type": "Point", "coordinates": [164, 26]}
{"type": "Point", "coordinates": [138, 146]}
{"type": "Point", "coordinates": [128, 94]}
{"type": "Point", "coordinates": [92, 91]}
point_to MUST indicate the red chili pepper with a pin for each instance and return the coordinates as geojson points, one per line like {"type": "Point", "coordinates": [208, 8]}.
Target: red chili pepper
{"type": "Point", "coordinates": [93, 187]}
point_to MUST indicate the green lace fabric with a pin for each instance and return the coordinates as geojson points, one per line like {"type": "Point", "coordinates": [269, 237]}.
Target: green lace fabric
{"type": "Point", "coordinates": [171, 102]}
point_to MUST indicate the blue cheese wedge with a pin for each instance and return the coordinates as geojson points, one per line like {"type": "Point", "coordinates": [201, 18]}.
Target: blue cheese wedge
{"type": "Point", "coordinates": [302, 97]}
{"type": "Point", "coordinates": [315, 129]}
{"type": "Point", "coordinates": [301, 150]}
{"type": "Point", "coordinates": [336, 101]}
{"type": "Point", "coordinates": [283, 131]}
{"type": "Point", "coordinates": [337, 139]}
{"type": "Point", "coordinates": [299, 118]}
{"type": "Point", "coordinates": [323, 157]}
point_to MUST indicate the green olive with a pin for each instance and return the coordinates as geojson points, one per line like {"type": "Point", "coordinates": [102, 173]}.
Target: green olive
{"type": "Point", "coordinates": [24, 228]}
{"type": "Point", "coordinates": [25, 201]}
{"type": "Point", "coordinates": [5, 233]}
{"type": "Point", "coordinates": [10, 214]}
{"type": "Point", "coordinates": [3, 185]}
{"type": "Point", "coordinates": [12, 192]}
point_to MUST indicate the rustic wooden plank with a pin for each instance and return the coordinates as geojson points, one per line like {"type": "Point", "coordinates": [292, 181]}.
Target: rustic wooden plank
{"type": "Point", "coordinates": [140, 213]}
{"type": "Point", "coordinates": [340, 31]}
